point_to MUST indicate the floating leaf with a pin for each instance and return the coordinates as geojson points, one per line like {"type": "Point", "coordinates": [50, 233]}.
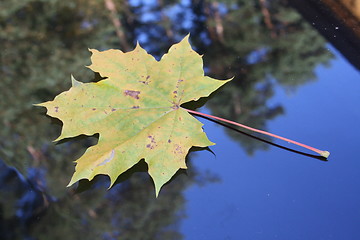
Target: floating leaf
{"type": "Point", "coordinates": [136, 111]}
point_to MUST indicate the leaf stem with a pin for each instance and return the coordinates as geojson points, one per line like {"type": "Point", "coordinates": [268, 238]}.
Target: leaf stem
{"type": "Point", "coordinates": [325, 154]}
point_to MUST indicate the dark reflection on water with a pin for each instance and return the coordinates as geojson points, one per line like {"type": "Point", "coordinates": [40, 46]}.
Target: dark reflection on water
{"type": "Point", "coordinates": [44, 42]}
{"type": "Point", "coordinates": [129, 210]}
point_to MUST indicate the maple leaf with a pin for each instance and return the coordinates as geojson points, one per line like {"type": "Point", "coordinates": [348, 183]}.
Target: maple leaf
{"type": "Point", "coordinates": [136, 111]}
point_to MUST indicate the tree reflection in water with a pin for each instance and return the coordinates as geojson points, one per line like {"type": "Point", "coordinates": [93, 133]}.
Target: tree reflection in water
{"type": "Point", "coordinates": [258, 42]}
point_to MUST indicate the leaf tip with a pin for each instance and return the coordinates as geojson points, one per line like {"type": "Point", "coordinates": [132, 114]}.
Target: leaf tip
{"type": "Point", "coordinates": [158, 183]}
{"type": "Point", "coordinates": [58, 138]}
{"type": "Point", "coordinates": [137, 45]}
{"type": "Point", "coordinates": [112, 181]}
{"type": "Point", "coordinates": [186, 39]}
{"type": "Point", "coordinates": [39, 104]}
{"type": "Point", "coordinates": [72, 181]}
{"type": "Point", "coordinates": [74, 82]}
{"type": "Point", "coordinates": [157, 191]}
{"type": "Point", "coordinates": [228, 80]}
{"type": "Point", "coordinates": [92, 50]}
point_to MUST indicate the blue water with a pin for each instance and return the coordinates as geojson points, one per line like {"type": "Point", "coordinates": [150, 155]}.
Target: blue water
{"type": "Point", "coordinates": [273, 194]}
{"type": "Point", "coordinates": [277, 194]}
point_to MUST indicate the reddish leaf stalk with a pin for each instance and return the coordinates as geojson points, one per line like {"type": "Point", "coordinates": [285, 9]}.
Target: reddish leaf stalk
{"type": "Point", "coordinates": [322, 153]}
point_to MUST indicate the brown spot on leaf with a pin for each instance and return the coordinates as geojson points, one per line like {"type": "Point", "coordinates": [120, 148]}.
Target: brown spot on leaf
{"type": "Point", "coordinates": [94, 109]}
{"type": "Point", "coordinates": [132, 93]}
{"type": "Point", "coordinates": [178, 149]}
{"type": "Point", "coordinates": [152, 144]}
{"type": "Point", "coordinates": [135, 107]}
{"type": "Point", "coordinates": [146, 80]}
{"type": "Point", "coordinates": [113, 109]}
{"type": "Point", "coordinates": [56, 109]}
{"type": "Point", "coordinates": [180, 80]}
{"type": "Point", "coordinates": [169, 141]}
